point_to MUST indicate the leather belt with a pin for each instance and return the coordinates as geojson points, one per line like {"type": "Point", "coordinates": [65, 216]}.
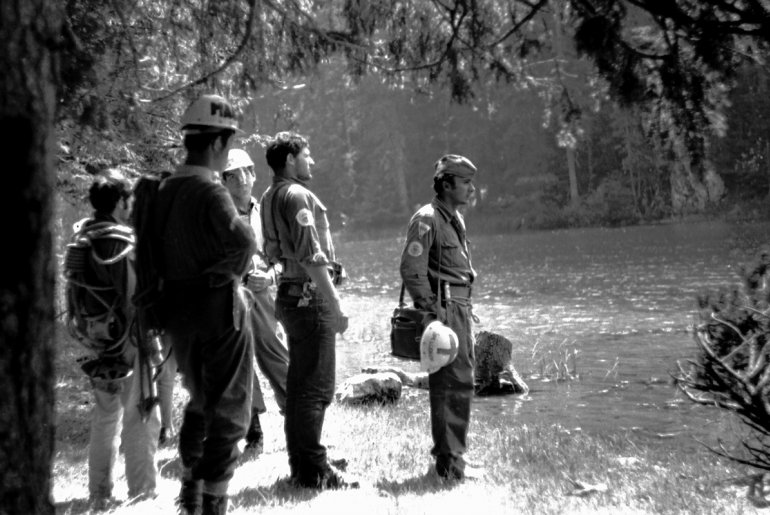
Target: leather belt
{"type": "Point", "coordinates": [293, 289]}
{"type": "Point", "coordinates": [459, 292]}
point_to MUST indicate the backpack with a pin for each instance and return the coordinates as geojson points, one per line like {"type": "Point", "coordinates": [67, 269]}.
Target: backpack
{"type": "Point", "coordinates": [148, 296]}
{"type": "Point", "coordinates": [104, 330]}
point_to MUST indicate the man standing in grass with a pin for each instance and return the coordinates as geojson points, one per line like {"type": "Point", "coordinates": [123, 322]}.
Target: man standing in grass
{"type": "Point", "coordinates": [297, 235]}
{"type": "Point", "coordinates": [436, 263]}
{"type": "Point", "coordinates": [271, 352]}
{"type": "Point", "coordinates": [205, 249]}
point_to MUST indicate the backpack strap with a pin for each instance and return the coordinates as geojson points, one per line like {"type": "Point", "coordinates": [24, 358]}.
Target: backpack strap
{"type": "Point", "coordinates": [274, 211]}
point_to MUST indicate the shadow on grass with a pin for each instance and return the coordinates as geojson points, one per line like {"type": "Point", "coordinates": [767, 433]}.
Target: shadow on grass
{"type": "Point", "coordinates": [72, 507]}
{"type": "Point", "coordinates": [426, 483]}
{"type": "Point", "coordinates": [170, 468]}
{"type": "Point", "coordinates": [280, 492]}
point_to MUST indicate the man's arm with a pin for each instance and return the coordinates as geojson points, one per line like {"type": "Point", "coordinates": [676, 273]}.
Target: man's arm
{"type": "Point", "coordinates": [235, 235]}
{"type": "Point", "coordinates": [415, 262]}
{"type": "Point", "coordinates": [320, 276]}
{"type": "Point", "coordinates": [257, 280]}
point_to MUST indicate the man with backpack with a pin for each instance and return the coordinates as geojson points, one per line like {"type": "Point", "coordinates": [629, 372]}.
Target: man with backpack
{"type": "Point", "coordinates": [100, 284]}
{"type": "Point", "coordinates": [204, 249]}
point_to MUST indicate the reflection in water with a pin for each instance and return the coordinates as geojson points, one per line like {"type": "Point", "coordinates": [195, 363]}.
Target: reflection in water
{"type": "Point", "coordinates": [620, 301]}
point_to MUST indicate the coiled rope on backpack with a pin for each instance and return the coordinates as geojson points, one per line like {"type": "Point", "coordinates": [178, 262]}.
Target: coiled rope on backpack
{"type": "Point", "coordinates": [95, 331]}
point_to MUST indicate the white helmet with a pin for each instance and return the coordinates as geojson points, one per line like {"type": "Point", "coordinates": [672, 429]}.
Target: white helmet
{"type": "Point", "coordinates": [438, 347]}
{"type": "Point", "coordinates": [238, 158]}
{"type": "Point", "coordinates": [210, 113]}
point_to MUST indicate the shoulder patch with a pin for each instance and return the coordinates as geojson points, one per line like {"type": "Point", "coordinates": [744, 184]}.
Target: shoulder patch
{"type": "Point", "coordinates": [422, 228]}
{"type": "Point", "coordinates": [414, 249]}
{"type": "Point", "coordinates": [305, 217]}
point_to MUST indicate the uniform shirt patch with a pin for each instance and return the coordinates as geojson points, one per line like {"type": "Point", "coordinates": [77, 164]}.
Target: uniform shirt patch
{"type": "Point", "coordinates": [414, 249]}
{"type": "Point", "coordinates": [305, 217]}
{"type": "Point", "coordinates": [422, 229]}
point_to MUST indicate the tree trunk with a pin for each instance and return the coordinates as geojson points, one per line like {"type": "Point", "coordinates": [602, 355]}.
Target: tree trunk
{"type": "Point", "coordinates": [767, 165]}
{"type": "Point", "coordinates": [574, 196]}
{"type": "Point", "coordinates": [558, 36]}
{"type": "Point", "coordinates": [28, 28]}
{"type": "Point", "coordinates": [694, 183]}
{"type": "Point", "coordinates": [399, 169]}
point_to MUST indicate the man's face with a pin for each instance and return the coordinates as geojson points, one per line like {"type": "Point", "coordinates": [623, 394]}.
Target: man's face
{"type": "Point", "coordinates": [459, 194]}
{"type": "Point", "coordinates": [124, 208]}
{"type": "Point", "coordinates": [239, 182]}
{"type": "Point", "coordinates": [303, 164]}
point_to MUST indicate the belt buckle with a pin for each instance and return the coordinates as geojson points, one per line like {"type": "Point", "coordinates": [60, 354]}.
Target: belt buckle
{"type": "Point", "coordinates": [307, 289]}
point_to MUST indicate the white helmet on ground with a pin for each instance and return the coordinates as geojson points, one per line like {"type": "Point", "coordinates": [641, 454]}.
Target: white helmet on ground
{"type": "Point", "coordinates": [238, 158]}
{"type": "Point", "coordinates": [210, 113]}
{"type": "Point", "coordinates": [438, 347]}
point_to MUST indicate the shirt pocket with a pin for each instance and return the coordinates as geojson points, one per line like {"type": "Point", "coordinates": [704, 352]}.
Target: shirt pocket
{"type": "Point", "coordinates": [453, 255]}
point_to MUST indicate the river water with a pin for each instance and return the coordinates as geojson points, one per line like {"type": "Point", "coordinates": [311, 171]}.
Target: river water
{"type": "Point", "coordinates": [598, 318]}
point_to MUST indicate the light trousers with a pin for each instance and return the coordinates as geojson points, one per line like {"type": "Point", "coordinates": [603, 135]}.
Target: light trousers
{"type": "Point", "coordinates": [115, 418]}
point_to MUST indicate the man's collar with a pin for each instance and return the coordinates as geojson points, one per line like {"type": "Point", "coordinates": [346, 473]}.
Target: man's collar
{"type": "Point", "coordinates": [277, 179]}
{"type": "Point", "coordinates": [447, 212]}
{"type": "Point", "coordinates": [250, 208]}
{"type": "Point", "coordinates": [102, 216]}
{"type": "Point", "coordinates": [185, 170]}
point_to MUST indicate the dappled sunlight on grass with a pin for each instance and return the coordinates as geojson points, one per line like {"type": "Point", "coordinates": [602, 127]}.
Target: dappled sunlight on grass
{"type": "Point", "coordinates": [530, 468]}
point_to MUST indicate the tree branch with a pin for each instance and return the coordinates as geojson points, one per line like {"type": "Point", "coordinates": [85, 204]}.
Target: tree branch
{"type": "Point", "coordinates": [227, 62]}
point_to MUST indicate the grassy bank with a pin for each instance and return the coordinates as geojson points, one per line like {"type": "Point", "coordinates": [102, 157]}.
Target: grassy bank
{"type": "Point", "coordinates": [529, 469]}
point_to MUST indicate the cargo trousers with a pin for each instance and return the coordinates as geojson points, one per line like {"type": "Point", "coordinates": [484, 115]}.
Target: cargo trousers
{"type": "Point", "coordinates": [451, 392]}
{"type": "Point", "coordinates": [215, 357]}
{"type": "Point", "coordinates": [111, 412]}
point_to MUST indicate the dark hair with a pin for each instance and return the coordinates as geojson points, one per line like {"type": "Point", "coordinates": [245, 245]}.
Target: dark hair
{"type": "Point", "coordinates": [110, 186]}
{"type": "Point", "coordinates": [438, 185]}
{"type": "Point", "coordinates": [279, 148]}
{"type": "Point", "coordinates": [198, 142]}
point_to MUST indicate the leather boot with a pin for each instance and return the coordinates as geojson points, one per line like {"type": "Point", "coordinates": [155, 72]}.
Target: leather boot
{"type": "Point", "coordinates": [189, 500]}
{"type": "Point", "coordinates": [254, 436]}
{"type": "Point", "coordinates": [214, 504]}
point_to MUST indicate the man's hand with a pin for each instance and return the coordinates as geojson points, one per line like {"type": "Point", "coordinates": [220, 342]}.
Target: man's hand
{"type": "Point", "coordinates": [258, 280]}
{"type": "Point", "coordinates": [342, 324]}
{"type": "Point", "coordinates": [323, 282]}
{"type": "Point", "coordinates": [434, 313]}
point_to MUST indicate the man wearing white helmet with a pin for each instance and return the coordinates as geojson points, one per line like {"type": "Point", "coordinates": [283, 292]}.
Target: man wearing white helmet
{"type": "Point", "coordinates": [271, 352]}
{"type": "Point", "coordinates": [437, 272]}
{"type": "Point", "coordinates": [204, 250]}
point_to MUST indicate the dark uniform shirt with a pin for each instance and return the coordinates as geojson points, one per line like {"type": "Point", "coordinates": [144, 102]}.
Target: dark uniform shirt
{"type": "Point", "coordinates": [421, 262]}
{"type": "Point", "coordinates": [204, 237]}
{"type": "Point", "coordinates": [295, 228]}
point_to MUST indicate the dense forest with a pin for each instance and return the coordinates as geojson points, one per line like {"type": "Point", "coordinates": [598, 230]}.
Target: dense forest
{"type": "Point", "coordinates": [374, 148]}
{"type": "Point", "coordinates": [556, 145]}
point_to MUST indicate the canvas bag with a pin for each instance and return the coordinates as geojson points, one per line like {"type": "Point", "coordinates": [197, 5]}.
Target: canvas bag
{"type": "Point", "coordinates": [406, 329]}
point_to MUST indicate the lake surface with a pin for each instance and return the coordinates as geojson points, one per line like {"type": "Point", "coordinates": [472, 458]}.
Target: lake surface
{"type": "Point", "coordinates": [613, 305]}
